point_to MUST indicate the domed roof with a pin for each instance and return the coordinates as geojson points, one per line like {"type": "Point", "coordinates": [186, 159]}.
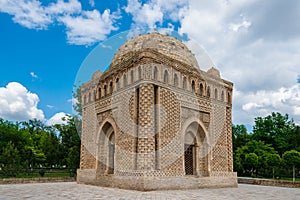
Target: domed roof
{"type": "Point", "coordinates": [214, 72]}
{"type": "Point", "coordinates": [166, 45]}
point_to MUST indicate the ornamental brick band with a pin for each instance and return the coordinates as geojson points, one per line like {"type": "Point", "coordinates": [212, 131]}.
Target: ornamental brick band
{"type": "Point", "coordinates": [154, 120]}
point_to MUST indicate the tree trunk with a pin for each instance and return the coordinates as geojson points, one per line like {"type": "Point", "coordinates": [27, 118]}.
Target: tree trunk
{"type": "Point", "coordinates": [293, 173]}
{"type": "Point", "coordinates": [273, 173]}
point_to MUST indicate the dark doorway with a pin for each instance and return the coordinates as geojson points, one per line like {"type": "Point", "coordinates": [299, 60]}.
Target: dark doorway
{"type": "Point", "coordinates": [111, 154]}
{"type": "Point", "coordinates": [188, 159]}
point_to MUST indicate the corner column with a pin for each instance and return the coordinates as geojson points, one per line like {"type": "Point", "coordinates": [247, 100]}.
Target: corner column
{"type": "Point", "coordinates": [146, 132]}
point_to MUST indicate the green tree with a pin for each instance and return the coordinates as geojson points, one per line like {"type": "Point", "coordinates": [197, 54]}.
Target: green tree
{"type": "Point", "coordinates": [10, 160]}
{"type": "Point", "coordinates": [50, 145]}
{"type": "Point", "coordinates": [70, 141]}
{"type": "Point", "coordinates": [251, 161]}
{"type": "Point", "coordinates": [276, 129]}
{"type": "Point", "coordinates": [240, 136]}
{"type": "Point", "coordinates": [273, 160]}
{"type": "Point", "coordinates": [292, 158]}
{"type": "Point", "coordinates": [260, 149]}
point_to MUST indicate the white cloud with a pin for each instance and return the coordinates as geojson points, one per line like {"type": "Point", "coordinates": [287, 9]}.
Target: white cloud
{"type": "Point", "coordinates": [249, 105]}
{"type": "Point", "coordinates": [18, 104]}
{"type": "Point", "coordinates": [57, 119]}
{"type": "Point", "coordinates": [83, 27]}
{"type": "Point", "coordinates": [89, 27]}
{"type": "Point", "coordinates": [144, 15]}
{"type": "Point", "coordinates": [26, 13]}
{"type": "Point", "coordinates": [155, 11]}
{"type": "Point", "coordinates": [50, 106]}
{"type": "Point", "coordinates": [33, 75]}
{"type": "Point", "coordinates": [62, 7]}
{"type": "Point", "coordinates": [236, 27]}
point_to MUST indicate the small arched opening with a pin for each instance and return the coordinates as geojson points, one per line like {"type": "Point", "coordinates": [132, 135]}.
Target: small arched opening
{"type": "Point", "coordinates": [132, 76]}
{"type": "Point", "coordinates": [117, 83]}
{"type": "Point", "coordinates": [124, 80]}
{"type": "Point", "coordinates": [99, 92]}
{"type": "Point", "coordinates": [155, 73]}
{"type": "Point", "coordinates": [175, 80]}
{"type": "Point", "coordinates": [105, 90]}
{"type": "Point", "coordinates": [110, 87]}
{"type": "Point", "coordinates": [140, 72]}
{"type": "Point", "coordinates": [222, 96]}
{"type": "Point", "coordinates": [193, 86]}
{"type": "Point", "coordinates": [184, 83]}
{"type": "Point", "coordinates": [90, 98]}
{"type": "Point", "coordinates": [201, 89]}
{"type": "Point", "coordinates": [166, 76]}
{"type": "Point", "coordinates": [208, 91]}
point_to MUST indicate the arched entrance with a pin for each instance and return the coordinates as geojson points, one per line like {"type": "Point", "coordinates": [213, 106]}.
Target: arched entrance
{"type": "Point", "coordinates": [195, 150]}
{"type": "Point", "coordinates": [106, 149]}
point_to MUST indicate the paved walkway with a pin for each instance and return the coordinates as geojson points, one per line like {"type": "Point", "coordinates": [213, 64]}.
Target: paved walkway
{"type": "Point", "coordinates": [72, 190]}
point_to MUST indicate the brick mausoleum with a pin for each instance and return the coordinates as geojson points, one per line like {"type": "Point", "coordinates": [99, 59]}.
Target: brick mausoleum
{"type": "Point", "coordinates": [154, 120]}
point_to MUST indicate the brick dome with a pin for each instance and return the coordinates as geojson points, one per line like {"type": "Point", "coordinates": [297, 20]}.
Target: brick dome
{"type": "Point", "coordinates": [166, 45]}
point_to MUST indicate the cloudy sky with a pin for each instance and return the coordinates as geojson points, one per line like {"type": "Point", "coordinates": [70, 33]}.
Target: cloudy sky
{"type": "Point", "coordinates": [254, 44]}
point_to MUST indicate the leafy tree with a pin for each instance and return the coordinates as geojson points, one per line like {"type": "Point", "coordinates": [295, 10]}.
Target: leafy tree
{"type": "Point", "coordinates": [10, 160]}
{"type": "Point", "coordinates": [70, 141]}
{"type": "Point", "coordinates": [32, 144]}
{"type": "Point", "coordinates": [273, 160]}
{"type": "Point", "coordinates": [240, 136]}
{"type": "Point", "coordinates": [260, 149]}
{"type": "Point", "coordinates": [251, 161]}
{"type": "Point", "coordinates": [292, 158]}
{"type": "Point", "coordinates": [276, 129]}
{"type": "Point", "coordinates": [296, 142]}
{"type": "Point", "coordinates": [50, 145]}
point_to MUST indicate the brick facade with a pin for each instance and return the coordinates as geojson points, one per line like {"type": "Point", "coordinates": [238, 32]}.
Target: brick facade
{"type": "Point", "coordinates": [154, 118]}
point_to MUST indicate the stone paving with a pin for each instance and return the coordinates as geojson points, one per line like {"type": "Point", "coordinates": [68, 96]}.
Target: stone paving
{"type": "Point", "coordinates": [71, 190]}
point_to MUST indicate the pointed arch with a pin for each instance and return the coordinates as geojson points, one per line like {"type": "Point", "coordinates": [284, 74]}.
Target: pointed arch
{"type": "Point", "coordinates": [208, 91]}
{"type": "Point", "coordinates": [132, 76]}
{"type": "Point", "coordinates": [216, 93]}
{"type": "Point", "coordinates": [99, 92]}
{"type": "Point", "coordinates": [193, 86]}
{"type": "Point", "coordinates": [175, 80]}
{"type": "Point", "coordinates": [155, 73]}
{"type": "Point", "coordinates": [222, 96]}
{"type": "Point", "coordinates": [90, 97]}
{"type": "Point", "coordinates": [105, 90]}
{"type": "Point", "coordinates": [184, 83]}
{"type": "Point", "coordinates": [166, 76]}
{"type": "Point", "coordinates": [201, 89]}
{"type": "Point", "coordinates": [140, 72]}
{"type": "Point", "coordinates": [105, 141]}
{"type": "Point", "coordinates": [117, 84]}
{"type": "Point", "coordinates": [111, 87]}
{"type": "Point", "coordinates": [124, 80]}
{"type": "Point", "coordinates": [196, 148]}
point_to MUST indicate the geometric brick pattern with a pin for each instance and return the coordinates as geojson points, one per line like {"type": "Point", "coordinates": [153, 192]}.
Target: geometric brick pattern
{"type": "Point", "coordinates": [151, 111]}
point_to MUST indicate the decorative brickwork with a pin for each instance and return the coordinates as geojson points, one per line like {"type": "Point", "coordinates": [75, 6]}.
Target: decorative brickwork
{"type": "Point", "coordinates": [156, 121]}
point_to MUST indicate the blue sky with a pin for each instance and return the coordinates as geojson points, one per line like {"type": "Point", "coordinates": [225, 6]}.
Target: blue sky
{"type": "Point", "coordinates": [44, 43]}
